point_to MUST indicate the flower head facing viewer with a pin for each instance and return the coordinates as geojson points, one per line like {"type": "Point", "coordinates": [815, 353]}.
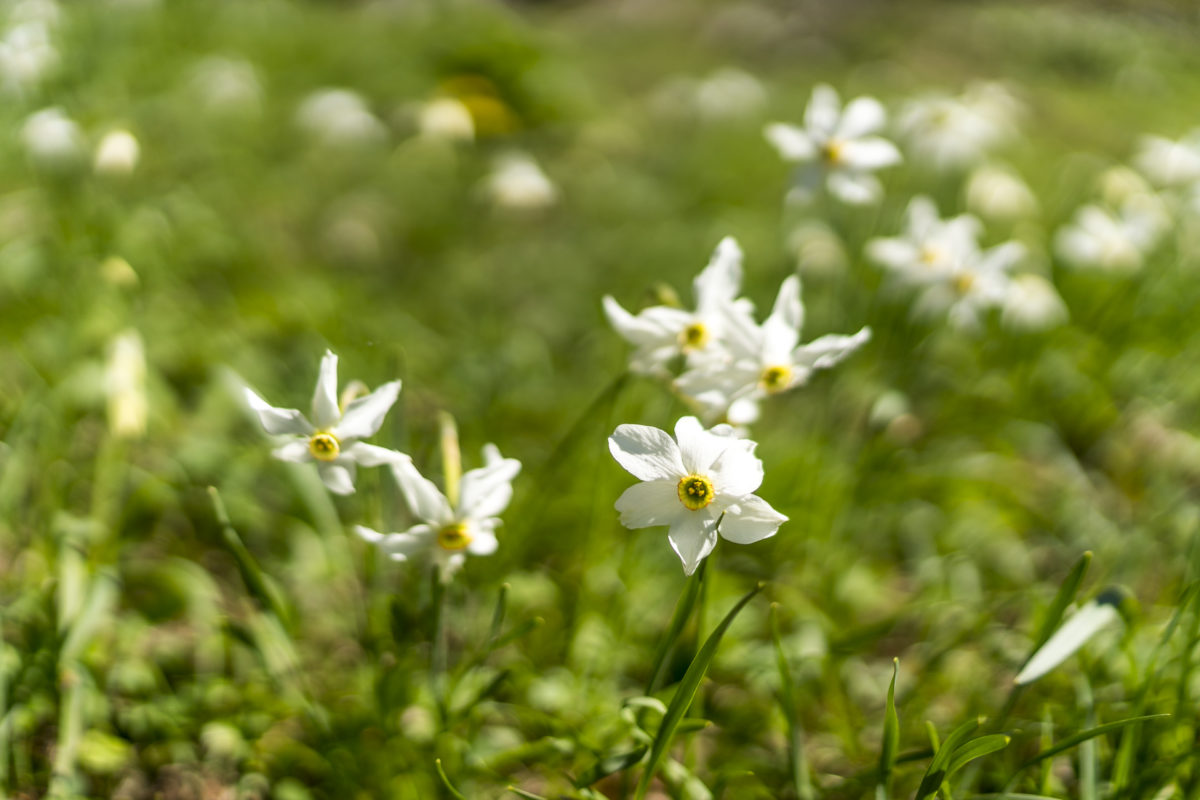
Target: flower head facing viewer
{"type": "Point", "coordinates": [332, 438]}
{"type": "Point", "coordinates": [836, 146]}
{"type": "Point", "coordinates": [449, 529]}
{"type": "Point", "coordinates": [700, 485]}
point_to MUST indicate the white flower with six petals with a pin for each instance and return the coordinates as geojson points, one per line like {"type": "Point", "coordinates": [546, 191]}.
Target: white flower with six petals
{"type": "Point", "coordinates": [332, 438]}
{"type": "Point", "coordinates": [700, 484]}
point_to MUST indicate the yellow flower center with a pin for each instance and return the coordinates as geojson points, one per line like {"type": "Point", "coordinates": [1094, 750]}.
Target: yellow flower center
{"type": "Point", "coordinates": [775, 379]}
{"type": "Point", "coordinates": [931, 254]}
{"type": "Point", "coordinates": [963, 282]}
{"type": "Point", "coordinates": [694, 336]}
{"type": "Point", "coordinates": [833, 152]}
{"type": "Point", "coordinates": [453, 537]}
{"type": "Point", "coordinates": [324, 446]}
{"type": "Point", "coordinates": [695, 492]}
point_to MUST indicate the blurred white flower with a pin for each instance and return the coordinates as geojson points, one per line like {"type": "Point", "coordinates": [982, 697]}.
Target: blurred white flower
{"type": "Point", "coordinates": [952, 132]}
{"type": "Point", "coordinates": [27, 56]}
{"type": "Point", "coordinates": [125, 386]}
{"type": "Point", "coordinates": [46, 12]}
{"type": "Point", "coordinates": [1032, 303]}
{"type": "Point", "coordinates": [661, 333]}
{"type": "Point", "coordinates": [835, 147]}
{"type": "Point", "coordinates": [1118, 184]}
{"type": "Point", "coordinates": [446, 118]}
{"type": "Point", "coordinates": [764, 360]}
{"type": "Point", "coordinates": [517, 182]}
{"type": "Point", "coordinates": [117, 153]}
{"type": "Point", "coordinates": [52, 139]}
{"type": "Point", "coordinates": [699, 484]}
{"type": "Point", "coordinates": [339, 117]}
{"type": "Point", "coordinates": [332, 438]}
{"type": "Point", "coordinates": [447, 530]}
{"type": "Point", "coordinates": [930, 245]}
{"type": "Point", "coordinates": [973, 284]}
{"type": "Point", "coordinates": [226, 85]}
{"type": "Point", "coordinates": [729, 93]}
{"type": "Point", "coordinates": [997, 193]}
{"type": "Point", "coordinates": [1167, 162]}
{"type": "Point", "coordinates": [1113, 241]}
{"type": "Point", "coordinates": [817, 247]}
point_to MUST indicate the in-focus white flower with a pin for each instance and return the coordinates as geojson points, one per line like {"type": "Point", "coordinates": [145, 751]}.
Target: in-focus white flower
{"type": "Point", "coordinates": [446, 118]}
{"type": "Point", "coordinates": [973, 285]}
{"type": "Point", "coordinates": [997, 193]}
{"type": "Point", "coordinates": [661, 333]}
{"type": "Point", "coordinates": [117, 153]}
{"type": "Point", "coordinates": [517, 182]}
{"type": "Point", "coordinates": [930, 245]}
{"type": "Point", "coordinates": [332, 438]}
{"type": "Point", "coordinates": [125, 386]}
{"type": "Point", "coordinates": [339, 117]}
{"type": "Point", "coordinates": [700, 486]}
{"type": "Point", "coordinates": [1167, 162]}
{"type": "Point", "coordinates": [1032, 303]}
{"type": "Point", "coordinates": [953, 132]}
{"type": "Point", "coordinates": [764, 360]}
{"type": "Point", "coordinates": [52, 139]}
{"type": "Point", "coordinates": [1113, 241]}
{"type": "Point", "coordinates": [27, 56]}
{"type": "Point", "coordinates": [836, 147]}
{"type": "Point", "coordinates": [449, 530]}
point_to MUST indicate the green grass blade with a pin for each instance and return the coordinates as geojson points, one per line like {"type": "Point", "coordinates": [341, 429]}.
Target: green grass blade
{"type": "Point", "coordinates": [1082, 736]}
{"type": "Point", "coordinates": [891, 732]}
{"type": "Point", "coordinates": [687, 692]}
{"type": "Point", "coordinates": [798, 764]}
{"type": "Point", "coordinates": [525, 794]}
{"type": "Point", "coordinates": [683, 610]}
{"type": "Point", "coordinates": [437, 762]}
{"type": "Point", "coordinates": [938, 765]}
{"type": "Point", "coordinates": [976, 748]}
{"type": "Point", "coordinates": [1066, 593]}
{"type": "Point", "coordinates": [251, 574]}
{"type": "Point", "coordinates": [610, 765]}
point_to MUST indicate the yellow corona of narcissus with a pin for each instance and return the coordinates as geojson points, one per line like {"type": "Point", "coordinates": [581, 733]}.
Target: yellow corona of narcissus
{"type": "Point", "coordinates": [448, 531]}
{"type": "Point", "coordinates": [332, 438]}
{"type": "Point", "coordinates": [700, 485]}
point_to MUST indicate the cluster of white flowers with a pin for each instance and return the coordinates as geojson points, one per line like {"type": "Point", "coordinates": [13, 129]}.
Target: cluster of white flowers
{"type": "Point", "coordinates": [950, 132]}
{"type": "Point", "coordinates": [55, 142]}
{"type": "Point", "coordinates": [27, 51]}
{"type": "Point", "coordinates": [953, 275]}
{"type": "Point", "coordinates": [333, 440]}
{"type": "Point", "coordinates": [727, 362]}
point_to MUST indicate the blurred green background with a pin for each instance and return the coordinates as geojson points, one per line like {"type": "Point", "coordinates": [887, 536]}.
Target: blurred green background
{"type": "Point", "coordinates": [939, 485]}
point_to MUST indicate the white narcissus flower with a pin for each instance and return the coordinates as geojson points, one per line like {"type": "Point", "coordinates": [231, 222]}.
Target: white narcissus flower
{"type": "Point", "coordinates": [660, 333]}
{"type": "Point", "coordinates": [998, 193]}
{"type": "Point", "coordinates": [339, 117]}
{"type": "Point", "coordinates": [700, 484]}
{"type": "Point", "coordinates": [1167, 162]}
{"type": "Point", "coordinates": [953, 132]}
{"type": "Point", "coordinates": [332, 438]}
{"type": "Point", "coordinates": [117, 153]}
{"type": "Point", "coordinates": [517, 182]}
{"type": "Point", "coordinates": [972, 286]}
{"type": "Point", "coordinates": [930, 245]}
{"type": "Point", "coordinates": [765, 360]}
{"type": "Point", "coordinates": [448, 531]}
{"type": "Point", "coordinates": [1032, 303]}
{"type": "Point", "coordinates": [1112, 241]}
{"type": "Point", "coordinates": [836, 146]}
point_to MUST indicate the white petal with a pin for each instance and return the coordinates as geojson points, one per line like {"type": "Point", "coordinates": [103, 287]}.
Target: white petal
{"type": "Point", "coordinates": [737, 472]}
{"type": "Point", "coordinates": [422, 497]}
{"type": "Point", "coordinates": [1073, 634]}
{"type": "Point", "coordinates": [633, 329]}
{"type": "Point", "coordinates": [365, 415]}
{"type": "Point", "coordinates": [402, 546]}
{"type": "Point", "coordinates": [869, 154]}
{"type": "Point", "coordinates": [297, 452]}
{"type": "Point", "coordinates": [369, 534]}
{"type": "Point", "coordinates": [483, 538]}
{"type": "Point", "coordinates": [325, 401]}
{"type": "Point", "coordinates": [485, 492]}
{"type": "Point", "coordinates": [750, 519]}
{"type": "Point", "coordinates": [693, 537]}
{"type": "Point", "coordinates": [781, 330]}
{"type": "Point", "coordinates": [825, 351]}
{"type": "Point", "coordinates": [491, 454]}
{"type": "Point", "coordinates": [743, 411]}
{"type": "Point", "coordinates": [368, 455]}
{"type": "Point", "coordinates": [650, 503]}
{"type": "Point", "coordinates": [821, 116]}
{"type": "Point", "coordinates": [861, 116]}
{"type": "Point", "coordinates": [854, 188]}
{"type": "Point", "coordinates": [720, 281]}
{"type": "Point", "coordinates": [896, 254]}
{"type": "Point", "coordinates": [698, 448]}
{"type": "Point", "coordinates": [277, 420]}
{"type": "Point", "coordinates": [647, 453]}
{"type": "Point", "coordinates": [337, 477]}
{"type": "Point", "coordinates": [792, 143]}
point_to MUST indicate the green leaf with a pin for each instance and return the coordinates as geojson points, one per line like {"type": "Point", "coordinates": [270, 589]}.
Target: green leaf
{"type": "Point", "coordinates": [1064, 597]}
{"type": "Point", "coordinates": [1082, 736]}
{"type": "Point", "coordinates": [523, 793]}
{"type": "Point", "coordinates": [610, 765]}
{"type": "Point", "coordinates": [247, 566]}
{"type": "Point", "coordinates": [683, 610]}
{"type": "Point", "coordinates": [437, 762]}
{"type": "Point", "coordinates": [976, 748]}
{"type": "Point", "coordinates": [687, 692]}
{"type": "Point", "coordinates": [938, 765]}
{"type": "Point", "coordinates": [498, 614]}
{"type": "Point", "coordinates": [891, 730]}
